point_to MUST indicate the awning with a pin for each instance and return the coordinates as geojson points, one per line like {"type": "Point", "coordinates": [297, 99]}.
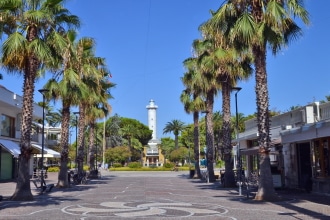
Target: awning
{"type": "Point", "coordinates": [11, 147]}
{"type": "Point", "coordinates": [47, 152]}
{"type": "Point", "coordinates": [254, 151]}
{"type": "Point", "coordinates": [50, 153]}
{"type": "Point", "coordinates": [249, 151]}
{"type": "Point", "coordinates": [38, 148]}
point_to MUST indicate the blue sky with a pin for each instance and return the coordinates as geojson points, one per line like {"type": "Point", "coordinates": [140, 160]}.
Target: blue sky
{"type": "Point", "coordinates": [146, 41]}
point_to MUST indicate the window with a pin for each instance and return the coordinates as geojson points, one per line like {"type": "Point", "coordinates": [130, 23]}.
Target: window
{"type": "Point", "coordinates": [52, 137]}
{"type": "Point", "coordinates": [7, 126]}
{"type": "Point", "coordinates": [321, 158]}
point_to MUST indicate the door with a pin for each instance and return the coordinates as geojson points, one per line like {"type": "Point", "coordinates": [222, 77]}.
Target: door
{"type": "Point", "coordinates": [304, 166]}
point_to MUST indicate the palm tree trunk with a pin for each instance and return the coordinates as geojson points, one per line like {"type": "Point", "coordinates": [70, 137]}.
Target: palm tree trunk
{"type": "Point", "coordinates": [210, 135]}
{"type": "Point", "coordinates": [23, 189]}
{"type": "Point", "coordinates": [63, 174]}
{"type": "Point", "coordinates": [80, 141]}
{"type": "Point", "coordinates": [226, 138]}
{"type": "Point", "coordinates": [92, 146]}
{"type": "Point", "coordinates": [196, 145]}
{"type": "Point", "coordinates": [176, 141]}
{"type": "Point", "coordinates": [266, 188]}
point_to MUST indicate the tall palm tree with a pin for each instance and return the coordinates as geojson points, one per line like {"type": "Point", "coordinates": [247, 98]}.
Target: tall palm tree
{"type": "Point", "coordinates": [193, 102]}
{"type": "Point", "coordinates": [68, 87]}
{"type": "Point", "coordinates": [257, 24]}
{"type": "Point", "coordinates": [98, 111]}
{"type": "Point", "coordinates": [175, 126]}
{"type": "Point", "coordinates": [93, 72]}
{"type": "Point", "coordinates": [205, 49]}
{"type": "Point", "coordinates": [233, 65]}
{"type": "Point", "coordinates": [29, 26]}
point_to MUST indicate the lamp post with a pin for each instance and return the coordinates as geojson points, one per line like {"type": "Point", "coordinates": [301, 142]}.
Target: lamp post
{"type": "Point", "coordinates": [237, 89]}
{"type": "Point", "coordinates": [76, 114]}
{"type": "Point", "coordinates": [43, 91]}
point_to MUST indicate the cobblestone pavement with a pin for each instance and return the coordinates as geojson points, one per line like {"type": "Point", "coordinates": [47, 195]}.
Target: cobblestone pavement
{"type": "Point", "coordinates": [157, 195]}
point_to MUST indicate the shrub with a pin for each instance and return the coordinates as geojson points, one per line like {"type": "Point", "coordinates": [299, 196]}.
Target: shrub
{"type": "Point", "coordinates": [53, 169]}
{"type": "Point", "coordinates": [168, 165]}
{"type": "Point", "coordinates": [116, 165]}
{"type": "Point", "coordinates": [134, 165]}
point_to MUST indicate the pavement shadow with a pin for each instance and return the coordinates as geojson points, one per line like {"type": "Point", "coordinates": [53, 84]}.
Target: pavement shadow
{"type": "Point", "coordinates": [299, 202]}
{"type": "Point", "coordinates": [41, 200]}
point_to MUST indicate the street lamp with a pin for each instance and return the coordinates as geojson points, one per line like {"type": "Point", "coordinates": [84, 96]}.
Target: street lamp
{"type": "Point", "coordinates": [76, 113]}
{"type": "Point", "coordinates": [43, 91]}
{"type": "Point", "coordinates": [237, 89]}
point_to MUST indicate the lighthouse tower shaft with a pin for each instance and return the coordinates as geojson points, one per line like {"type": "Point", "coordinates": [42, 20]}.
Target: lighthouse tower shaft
{"type": "Point", "coordinates": [152, 121]}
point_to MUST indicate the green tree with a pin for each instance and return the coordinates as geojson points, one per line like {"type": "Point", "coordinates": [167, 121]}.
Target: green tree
{"type": "Point", "coordinates": [175, 126]}
{"type": "Point", "coordinates": [118, 154]}
{"type": "Point", "coordinates": [167, 146]}
{"type": "Point", "coordinates": [179, 154]}
{"type": "Point", "coordinates": [31, 27]}
{"type": "Point", "coordinates": [137, 130]}
{"type": "Point", "coordinates": [259, 24]}
{"type": "Point", "coordinates": [241, 123]}
{"type": "Point", "coordinates": [112, 132]}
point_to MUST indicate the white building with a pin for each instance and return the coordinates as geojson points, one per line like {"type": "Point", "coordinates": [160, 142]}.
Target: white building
{"type": "Point", "coordinates": [10, 120]}
{"type": "Point", "coordinates": [300, 154]}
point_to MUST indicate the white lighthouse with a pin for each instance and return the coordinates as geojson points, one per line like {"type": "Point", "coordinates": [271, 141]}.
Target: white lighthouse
{"type": "Point", "coordinates": [152, 122]}
{"type": "Point", "coordinates": [153, 156]}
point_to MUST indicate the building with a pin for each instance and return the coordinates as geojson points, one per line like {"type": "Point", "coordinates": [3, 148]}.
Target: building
{"type": "Point", "coordinates": [10, 113]}
{"type": "Point", "coordinates": [299, 153]}
{"type": "Point", "coordinates": [152, 153]}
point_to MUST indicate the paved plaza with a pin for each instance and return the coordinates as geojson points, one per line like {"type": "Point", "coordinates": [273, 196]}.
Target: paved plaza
{"type": "Point", "coordinates": [157, 195]}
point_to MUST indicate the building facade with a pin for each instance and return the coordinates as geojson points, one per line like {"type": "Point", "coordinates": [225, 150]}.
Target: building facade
{"type": "Point", "coordinates": [299, 154]}
{"type": "Point", "coordinates": [10, 120]}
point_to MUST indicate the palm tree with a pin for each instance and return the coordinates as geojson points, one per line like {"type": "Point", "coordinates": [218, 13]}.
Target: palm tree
{"type": "Point", "coordinates": [128, 132]}
{"type": "Point", "coordinates": [68, 87]}
{"type": "Point", "coordinates": [241, 122]}
{"type": "Point", "coordinates": [217, 127]}
{"type": "Point", "coordinates": [175, 126]}
{"type": "Point", "coordinates": [98, 111]}
{"type": "Point", "coordinates": [193, 102]}
{"type": "Point", "coordinates": [257, 24]}
{"type": "Point", "coordinates": [93, 73]}
{"type": "Point", "coordinates": [205, 49]}
{"type": "Point", "coordinates": [41, 21]}
{"type": "Point", "coordinates": [233, 65]}
{"type": "Point", "coordinates": [112, 128]}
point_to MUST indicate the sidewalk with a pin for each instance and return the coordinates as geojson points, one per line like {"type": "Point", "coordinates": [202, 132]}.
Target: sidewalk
{"type": "Point", "coordinates": [158, 195]}
{"type": "Point", "coordinates": [7, 189]}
